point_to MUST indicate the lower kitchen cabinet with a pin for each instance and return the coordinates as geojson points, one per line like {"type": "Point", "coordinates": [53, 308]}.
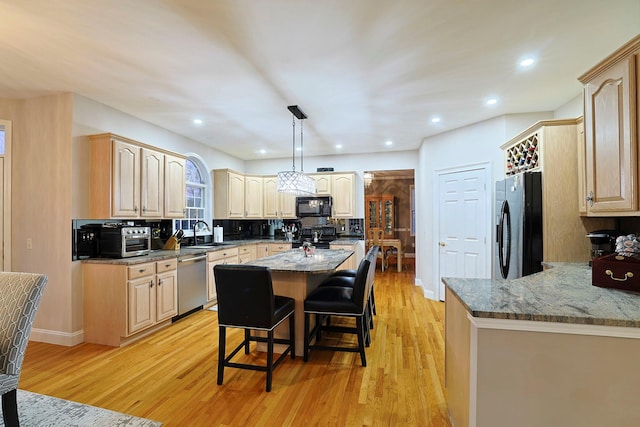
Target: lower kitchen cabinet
{"type": "Point", "coordinates": [122, 302]}
{"type": "Point", "coordinates": [277, 248]}
{"type": "Point", "coordinates": [246, 253]}
{"type": "Point", "coordinates": [224, 256]}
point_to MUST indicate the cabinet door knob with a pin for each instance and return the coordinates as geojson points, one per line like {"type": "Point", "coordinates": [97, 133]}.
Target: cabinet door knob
{"type": "Point", "coordinates": [151, 284]}
{"type": "Point", "coordinates": [589, 199]}
{"type": "Point", "coordinates": [443, 244]}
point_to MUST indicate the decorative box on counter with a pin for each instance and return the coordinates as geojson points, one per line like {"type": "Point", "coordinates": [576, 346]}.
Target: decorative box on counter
{"type": "Point", "coordinates": [616, 271]}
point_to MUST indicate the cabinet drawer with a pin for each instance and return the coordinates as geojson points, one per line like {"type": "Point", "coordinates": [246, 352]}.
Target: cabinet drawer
{"type": "Point", "coordinates": [166, 265]}
{"type": "Point", "coordinates": [279, 247]}
{"type": "Point", "coordinates": [246, 249]}
{"type": "Point", "coordinates": [141, 270]}
{"type": "Point", "coordinates": [222, 253]}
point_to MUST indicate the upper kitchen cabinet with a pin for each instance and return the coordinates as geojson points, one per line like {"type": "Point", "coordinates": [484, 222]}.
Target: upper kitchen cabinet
{"type": "Point", "coordinates": [253, 195]}
{"type": "Point", "coordinates": [343, 186]}
{"type": "Point", "coordinates": [228, 194]}
{"type": "Point", "coordinates": [611, 119]}
{"type": "Point", "coordinates": [274, 203]}
{"type": "Point", "coordinates": [133, 180]}
{"type": "Point", "coordinates": [324, 183]}
{"type": "Point", "coordinates": [175, 200]}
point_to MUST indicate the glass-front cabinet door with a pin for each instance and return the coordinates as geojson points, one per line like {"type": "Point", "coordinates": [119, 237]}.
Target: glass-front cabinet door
{"type": "Point", "coordinates": [380, 214]}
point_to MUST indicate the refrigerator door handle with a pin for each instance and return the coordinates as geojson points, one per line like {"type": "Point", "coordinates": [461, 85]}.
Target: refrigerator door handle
{"type": "Point", "coordinates": [505, 221]}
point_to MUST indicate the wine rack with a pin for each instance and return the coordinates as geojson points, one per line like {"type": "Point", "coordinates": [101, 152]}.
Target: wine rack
{"type": "Point", "coordinates": [523, 156]}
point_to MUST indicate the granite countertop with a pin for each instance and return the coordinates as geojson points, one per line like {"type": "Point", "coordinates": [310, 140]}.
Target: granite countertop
{"type": "Point", "coordinates": [562, 293]}
{"type": "Point", "coordinates": [159, 255]}
{"type": "Point", "coordinates": [322, 261]}
{"type": "Point", "coordinates": [345, 241]}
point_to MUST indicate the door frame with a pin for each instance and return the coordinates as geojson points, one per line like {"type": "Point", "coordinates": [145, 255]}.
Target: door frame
{"type": "Point", "coordinates": [486, 166]}
{"type": "Point", "coordinates": [5, 263]}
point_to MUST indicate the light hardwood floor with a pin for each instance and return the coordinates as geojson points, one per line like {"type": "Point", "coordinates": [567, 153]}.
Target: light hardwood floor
{"type": "Point", "coordinates": [170, 376]}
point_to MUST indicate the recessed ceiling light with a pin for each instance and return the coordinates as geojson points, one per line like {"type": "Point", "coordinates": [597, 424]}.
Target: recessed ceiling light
{"type": "Point", "coordinates": [527, 62]}
{"type": "Point", "coordinates": [338, 146]}
{"type": "Point", "coordinates": [389, 142]}
{"type": "Point", "coordinates": [436, 120]}
{"type": "Point", "coordinates": [263, 151]}
{"type": "Point", "coordinates": [197, 121]}
{"type": "Point", "coordinates": [491, 101]}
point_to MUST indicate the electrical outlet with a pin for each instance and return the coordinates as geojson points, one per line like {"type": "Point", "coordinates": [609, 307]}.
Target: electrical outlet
{"type": "Point", "coordinates": [29, 243]}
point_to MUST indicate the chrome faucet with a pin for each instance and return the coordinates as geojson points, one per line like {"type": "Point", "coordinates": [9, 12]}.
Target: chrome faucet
{"type": "Point", "coordinates": [195, 224]}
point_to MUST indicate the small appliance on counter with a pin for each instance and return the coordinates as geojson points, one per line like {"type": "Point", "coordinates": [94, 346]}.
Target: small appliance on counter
{"type": "Point", "coordinates": [602, 242]}
{"type": "Point", "coordinates": [120, 240]}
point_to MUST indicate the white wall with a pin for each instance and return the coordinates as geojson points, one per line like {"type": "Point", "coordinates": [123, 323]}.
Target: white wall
{"type": "Point", "coordinates": [470, 145]}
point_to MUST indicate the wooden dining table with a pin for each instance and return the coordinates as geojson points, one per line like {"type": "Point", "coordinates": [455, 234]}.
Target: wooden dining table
{"type": "Point", "coordinates": [394, 243]}
{"type": "Point", "coordinates": [295, 275]}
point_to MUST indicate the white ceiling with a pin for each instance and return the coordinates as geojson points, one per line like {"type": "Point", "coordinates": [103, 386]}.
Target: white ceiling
{"type": "Point", "coordinates": [364, 71]}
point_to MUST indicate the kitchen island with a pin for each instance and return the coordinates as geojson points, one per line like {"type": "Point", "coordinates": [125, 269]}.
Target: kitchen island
{"type": "Point", "coordinates": [547, 349]}
{"type": "Point", "coordinates": [294, 275]}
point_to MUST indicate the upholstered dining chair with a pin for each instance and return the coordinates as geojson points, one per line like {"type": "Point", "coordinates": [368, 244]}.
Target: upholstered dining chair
{"type": "Point", "coordinates": [335, 297]}
{"type": "Point", "coordinates": [20, 295]}
{"type": "Point", "coordinates": [246, 301]}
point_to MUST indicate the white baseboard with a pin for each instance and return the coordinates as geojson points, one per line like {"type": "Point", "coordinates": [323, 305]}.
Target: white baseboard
{"type": "Point", "coordinates": [56, 337]}
{"type": "Point", "coordinates": [426, 292]}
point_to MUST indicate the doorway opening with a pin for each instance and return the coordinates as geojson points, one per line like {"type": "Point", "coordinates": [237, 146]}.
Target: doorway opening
{"type": "Point", "coordinates": [389, 207]}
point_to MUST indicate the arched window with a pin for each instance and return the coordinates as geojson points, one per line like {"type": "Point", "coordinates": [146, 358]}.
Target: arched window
{"type": "Point", "coordinates": [197, 195]}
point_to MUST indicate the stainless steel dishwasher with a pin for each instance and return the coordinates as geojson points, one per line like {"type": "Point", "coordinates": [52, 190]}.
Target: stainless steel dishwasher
{"type": "Point", "coordinates": [192, 283]}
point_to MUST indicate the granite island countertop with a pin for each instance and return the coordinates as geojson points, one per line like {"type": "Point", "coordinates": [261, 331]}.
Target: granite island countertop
{"type": "Point", "coordinates": [562, 293]}
{"type": "Point", "coordinates": [294, 261]}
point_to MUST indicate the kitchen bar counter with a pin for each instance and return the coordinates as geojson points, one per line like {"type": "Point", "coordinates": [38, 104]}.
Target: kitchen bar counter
{"type": "Point", "coordinates": [294, 275]}
{"type": "Point", "coordinates": [562, 293]}
{"type": "Point", "coordinates": [546, 349]}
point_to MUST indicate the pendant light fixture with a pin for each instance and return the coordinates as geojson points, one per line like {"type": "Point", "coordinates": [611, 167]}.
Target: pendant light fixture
{"type": "Point", "coordinates": [294, 182]}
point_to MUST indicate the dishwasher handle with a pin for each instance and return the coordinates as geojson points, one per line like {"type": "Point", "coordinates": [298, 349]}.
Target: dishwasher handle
{"type": "Point", "coordinates": [193, 259]}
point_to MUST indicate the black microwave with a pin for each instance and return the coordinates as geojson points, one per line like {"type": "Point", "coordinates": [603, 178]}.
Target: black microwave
{"type": "Point", "coordinates": [313, 206]}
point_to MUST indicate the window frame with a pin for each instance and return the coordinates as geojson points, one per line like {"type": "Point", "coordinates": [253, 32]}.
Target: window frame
{"type": "Point", "coordinates": [185, 223]}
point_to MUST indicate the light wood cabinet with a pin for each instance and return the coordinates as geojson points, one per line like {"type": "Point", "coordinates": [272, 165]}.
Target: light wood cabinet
{"type": "Point", "coordinates": [246, 253]}
{"type": "Point", "coordinates": [323, 184]}
{"type": "Point", "coordinates": [253, 195]}
{"type": "Point", "coordinates": [260, 197]}
{"type": "Point", "coordinates": [224, 256]}
{"type": "Point", "coordinates": [132, 180]}
{"type": "Point", "coordinates": [611, 137]}
{"type": "Point", "coordinates": [344, 197]}
{"type": "Point", "coordinates": [262, 250]}
{"type": "Point", "coordinates": [277, 248]}
{"type": "Point", "coordinates": [228, 194]}
{"type": "Point", "coordinates": [175, 198]}
{"type": "Point", "coordinates": [122, 303]}
{"type": "Point", "coordinates": [276, 204]}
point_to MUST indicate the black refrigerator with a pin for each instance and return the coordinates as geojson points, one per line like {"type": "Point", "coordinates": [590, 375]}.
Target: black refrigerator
{"type": "Point", "coordinates": [518, 249]}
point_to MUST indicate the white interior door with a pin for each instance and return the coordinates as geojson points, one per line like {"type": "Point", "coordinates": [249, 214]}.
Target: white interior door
{"type": "Point", "coordinates": [463, 227]}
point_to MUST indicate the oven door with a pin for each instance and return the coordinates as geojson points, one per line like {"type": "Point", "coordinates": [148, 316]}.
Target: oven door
{"type": "Point", "coordinates": [136, 245]}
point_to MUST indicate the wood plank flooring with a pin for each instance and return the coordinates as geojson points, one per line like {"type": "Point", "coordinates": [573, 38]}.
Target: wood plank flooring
{"type": "Point", "coordinates": [170, 376]}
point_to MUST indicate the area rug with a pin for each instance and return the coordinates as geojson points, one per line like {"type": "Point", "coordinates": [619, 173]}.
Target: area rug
{"type": "Point", "coordinates": [37, 410]}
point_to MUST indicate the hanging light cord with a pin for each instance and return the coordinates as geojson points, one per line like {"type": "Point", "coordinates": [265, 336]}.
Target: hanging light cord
{"type": "Point", "coordinates": [301, 148]}
{"type": "Point", "coordinates": [293, 150]}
